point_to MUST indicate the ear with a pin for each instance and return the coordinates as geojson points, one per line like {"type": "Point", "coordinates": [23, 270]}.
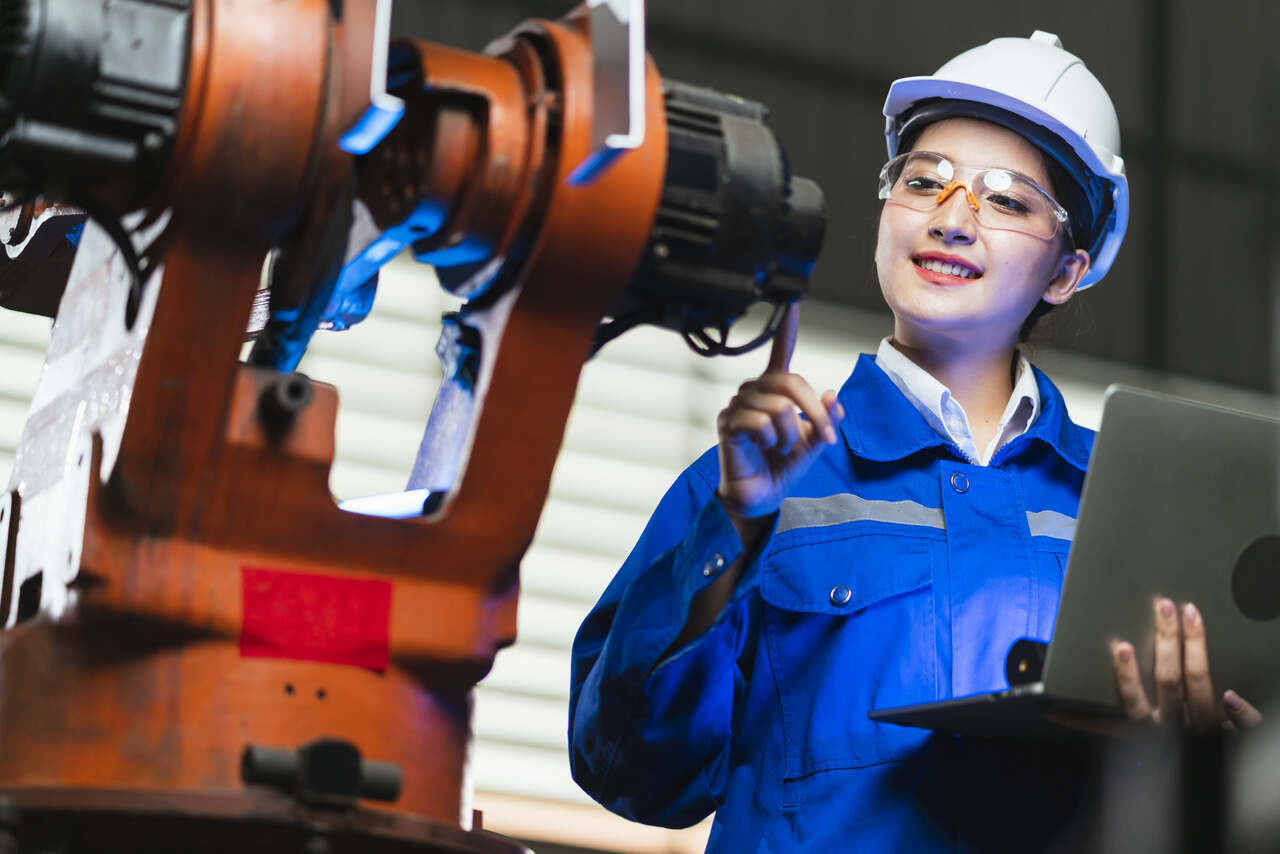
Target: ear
{"type": "Point", "coordinates": [1070, 272]}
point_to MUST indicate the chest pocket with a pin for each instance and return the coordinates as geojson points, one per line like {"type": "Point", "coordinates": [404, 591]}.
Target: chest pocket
{"type": "Point", "coordinates": [850, 628]}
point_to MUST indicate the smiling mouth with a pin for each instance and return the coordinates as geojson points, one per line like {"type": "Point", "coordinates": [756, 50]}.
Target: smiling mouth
{"type": "Point", "coordinates": [946, 269]}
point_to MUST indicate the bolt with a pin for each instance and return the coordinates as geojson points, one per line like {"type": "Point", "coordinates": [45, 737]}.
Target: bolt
{"type": "Point", "coordinates": [281, 401]}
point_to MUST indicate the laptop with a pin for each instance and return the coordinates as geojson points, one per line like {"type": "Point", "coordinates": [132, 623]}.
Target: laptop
{"type": "Point", "coordinates": [1181, 501]}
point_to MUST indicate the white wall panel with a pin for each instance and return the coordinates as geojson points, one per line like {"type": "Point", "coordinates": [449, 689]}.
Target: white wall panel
{"type": "Point", "coordinates": [13, 413]}
{"type": "Point", "coordinates": [586, 477]}
{"type": "Point", "coordinates": [589, 527]}
{"type": "Point", "coordinates": [548, 621]}
{"type": "Point", "coordinates": [569, 574]}
{"type": "Point", "coordinates": [534, 670]}
{"type": "Point", "coordinates": [21, 368]}
{"type": "Point", "coordinates": [511, 768]}
{"type": "Point", "coordinates": [521, 719]}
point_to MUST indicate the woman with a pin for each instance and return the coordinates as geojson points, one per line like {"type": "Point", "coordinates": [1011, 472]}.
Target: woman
{"type": "Point", "coordinates": [886, 545]}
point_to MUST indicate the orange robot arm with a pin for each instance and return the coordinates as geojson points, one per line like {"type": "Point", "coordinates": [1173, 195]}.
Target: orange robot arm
{"type": "Point", "coordinates": [180, 591]}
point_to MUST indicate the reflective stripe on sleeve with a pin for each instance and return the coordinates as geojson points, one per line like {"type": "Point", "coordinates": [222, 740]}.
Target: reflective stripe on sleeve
{"type": "Point", "coordinates": [1051, 523]}
{"type": "Point", "coordinates": [841, 508]}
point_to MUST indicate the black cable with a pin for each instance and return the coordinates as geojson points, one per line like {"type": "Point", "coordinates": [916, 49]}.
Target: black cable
{"type": "Point", "coordinates": [607, 331]}
{"type": "Point", "coordinates": [703, 344]}
{"type": "Point", "coordinates": [114, 228]}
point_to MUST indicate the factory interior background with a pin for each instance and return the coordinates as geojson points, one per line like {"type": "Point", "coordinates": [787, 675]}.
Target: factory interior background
{"type": "Point", "coordinates": [1191, 306]}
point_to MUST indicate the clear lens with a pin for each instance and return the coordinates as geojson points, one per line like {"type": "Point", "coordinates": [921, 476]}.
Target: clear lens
{"type": "Point", "coordinates": [999, 198]}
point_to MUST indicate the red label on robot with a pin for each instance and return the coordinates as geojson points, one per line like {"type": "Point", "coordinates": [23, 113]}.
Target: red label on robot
{"type": "Point", "coordinates": [311, 617]}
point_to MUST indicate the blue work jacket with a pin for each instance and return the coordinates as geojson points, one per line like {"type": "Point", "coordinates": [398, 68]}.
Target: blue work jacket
{"type": "Point", "coordinates": [896, 573]}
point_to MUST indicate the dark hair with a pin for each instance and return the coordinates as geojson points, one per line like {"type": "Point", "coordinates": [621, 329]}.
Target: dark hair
{"type": "Point", "coordinates": [1058, 180]}
{"type": "Point", "coordinates": [1032, 323]}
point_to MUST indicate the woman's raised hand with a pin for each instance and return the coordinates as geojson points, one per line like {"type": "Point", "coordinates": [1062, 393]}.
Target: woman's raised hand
{"type": "Point", "coordinates": [765, 443]}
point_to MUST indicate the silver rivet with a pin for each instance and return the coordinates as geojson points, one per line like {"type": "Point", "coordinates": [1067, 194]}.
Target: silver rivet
{"type": "Point", "coordinates": [716, 562]}
{"type": "Point", "coordinates": [840, 595]}
{"type": "Point", "coordinates": [959, 482]}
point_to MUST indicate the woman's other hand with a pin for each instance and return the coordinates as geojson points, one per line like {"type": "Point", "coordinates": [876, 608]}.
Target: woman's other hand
{"type": "Point", "coordinates": [765, 444]}
{"type": "Point", "coordinates": [1185, 696]}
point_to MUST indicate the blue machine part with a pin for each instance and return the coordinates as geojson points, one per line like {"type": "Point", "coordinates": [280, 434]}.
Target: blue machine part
{"type": "Point", "coordinates": [349, 307]}
{"type": "Point", "coordinates": [371, 128]}
{"type": "Point", "coordinates": [352, 296]}
{"type": "Point", "coordinates": [353, 293]}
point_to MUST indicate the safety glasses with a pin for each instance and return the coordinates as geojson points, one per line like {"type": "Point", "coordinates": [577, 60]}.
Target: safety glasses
{"type": "Point", "coordinates": [999, 198]}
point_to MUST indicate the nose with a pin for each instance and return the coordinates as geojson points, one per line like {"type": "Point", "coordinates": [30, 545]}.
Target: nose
{"type": "Point", "coordinates": [953, 221]}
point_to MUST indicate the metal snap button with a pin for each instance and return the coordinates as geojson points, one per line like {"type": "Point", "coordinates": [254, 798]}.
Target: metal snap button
{"type": "Point", "coordinates": [840, 595]}
{"type": "Point", "coordinates": [959, 482]}
{"type": "Point", "coordinates": [716, 562]}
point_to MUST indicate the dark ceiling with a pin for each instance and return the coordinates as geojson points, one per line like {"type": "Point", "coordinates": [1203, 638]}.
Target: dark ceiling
{"type": "Point", "coordinates": [1196, 84]}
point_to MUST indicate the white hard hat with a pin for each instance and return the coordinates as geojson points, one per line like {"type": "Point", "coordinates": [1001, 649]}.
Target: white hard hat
{"type": "Point", "coordinates": [1041, 91]}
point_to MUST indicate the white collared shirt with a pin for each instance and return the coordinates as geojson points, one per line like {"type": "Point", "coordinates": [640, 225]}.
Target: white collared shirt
{"type": "Point", "coordinates": [945, 414]}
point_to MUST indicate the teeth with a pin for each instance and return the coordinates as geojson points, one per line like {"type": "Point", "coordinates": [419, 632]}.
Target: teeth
{"type": "Point", "coordinates": [946, 269]}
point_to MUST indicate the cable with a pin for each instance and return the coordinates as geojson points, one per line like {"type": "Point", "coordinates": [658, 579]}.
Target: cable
{"type": "Point", "coordinates": [115, 230]}
{"type": "Point", "coordinates": [607, 331]}
{"type": "Point", "coordinates": [701, 342]}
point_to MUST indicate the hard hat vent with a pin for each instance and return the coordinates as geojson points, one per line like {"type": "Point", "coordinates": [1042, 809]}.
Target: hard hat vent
{"type": "Point", "coordinates": [1050, 39]}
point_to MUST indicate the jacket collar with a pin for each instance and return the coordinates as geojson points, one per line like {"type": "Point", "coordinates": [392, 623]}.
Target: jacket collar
{"type": "Point", "coordinates": [1055, 428]}
{"type": "Point", "coordinates": [881, 424]}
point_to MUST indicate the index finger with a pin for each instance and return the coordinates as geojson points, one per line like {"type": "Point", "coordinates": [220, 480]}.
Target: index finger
{"type": "Point", "coordinates": [784, 341]}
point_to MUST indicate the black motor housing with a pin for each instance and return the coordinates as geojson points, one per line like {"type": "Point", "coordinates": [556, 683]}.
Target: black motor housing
{"type": "Point", "coordinates": [90, 92]}
{"type": "Point", "coordinates": [734, 226]}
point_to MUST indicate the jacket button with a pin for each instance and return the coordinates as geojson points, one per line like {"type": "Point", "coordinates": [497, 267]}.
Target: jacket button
{"type": "Point", "coordinates": [716, 562]}
{"type": "Point", "coordinates": [840, 595]}
{"type": "Point", "coordinates": [959, 482]}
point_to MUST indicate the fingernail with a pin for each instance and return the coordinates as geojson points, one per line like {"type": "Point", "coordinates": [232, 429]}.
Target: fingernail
{"type": "Point", "coordinates": [1233, 701]}
{"type": "Point", "coordinates": [1166, 608]}
{"type": "Point", "coordinates": [830, 435]}
{"type": "Point", "coordinates": [1190, 613]}
{"type": "Point", "coordinates": [1124, 652]}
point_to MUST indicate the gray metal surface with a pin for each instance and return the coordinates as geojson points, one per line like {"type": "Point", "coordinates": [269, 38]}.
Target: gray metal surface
{"type": "Point", "coordinates": [1175, 493]}
{"type": "Point", "coordinates": [84, 390]}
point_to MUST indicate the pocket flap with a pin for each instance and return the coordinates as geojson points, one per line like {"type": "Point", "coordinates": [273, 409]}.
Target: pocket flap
{"type": "Point", "coordinates": [845, 575]}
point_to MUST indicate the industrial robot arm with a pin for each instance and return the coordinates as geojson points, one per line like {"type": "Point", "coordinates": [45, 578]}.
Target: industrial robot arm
{"type": "Point", "coordinates": [172, 556]}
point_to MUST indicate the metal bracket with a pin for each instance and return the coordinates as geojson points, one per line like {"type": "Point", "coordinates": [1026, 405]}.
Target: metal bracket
{"type": "Point", "coordinates": [385, 109]}
{"type": "Point", "coordinates": [618, 56]}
